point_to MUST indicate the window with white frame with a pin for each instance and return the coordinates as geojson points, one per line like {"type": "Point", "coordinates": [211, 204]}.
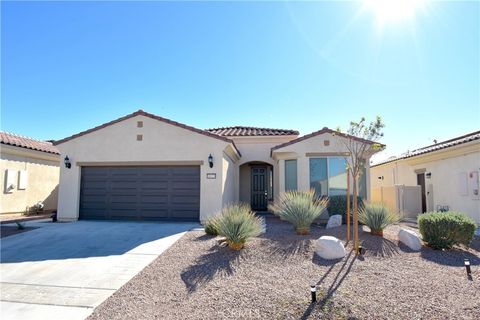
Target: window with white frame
{"type": "Point", "coordinates": [328, 177]}
{"type": "Point", "coordinates": [290, 175]}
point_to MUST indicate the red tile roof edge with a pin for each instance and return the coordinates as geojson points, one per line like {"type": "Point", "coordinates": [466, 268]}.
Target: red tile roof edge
{"type": "Point", "coordinates": [469, 137]}
{"type": "Point", "coordinates": [149, 115]}
{"type": "Point", "coordinates": [319, 132]}
{"type": "Point", "coordinates": [236, 131]}
{"type": "Point", "coordinates": [16, 140]}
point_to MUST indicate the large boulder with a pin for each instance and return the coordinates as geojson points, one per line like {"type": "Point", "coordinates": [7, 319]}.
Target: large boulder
{"type": "Point", "coordinates": [329, 248]}
{"type": "Point", "coordinates": [334, 221]}
{"type": "Point", "coordinates": [410, 239]}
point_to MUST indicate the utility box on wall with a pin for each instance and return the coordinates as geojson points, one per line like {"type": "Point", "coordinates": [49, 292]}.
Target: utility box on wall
{"type": "Point", "coordinates": [22, 180]}
{"type": "Point", "coordinates": [474, 185]}
{"type": "Point", "coordinates": [10, 180]}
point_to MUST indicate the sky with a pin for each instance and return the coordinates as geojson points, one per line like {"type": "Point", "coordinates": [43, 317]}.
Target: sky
{"type": "Point", "coordinates": [69, 66]}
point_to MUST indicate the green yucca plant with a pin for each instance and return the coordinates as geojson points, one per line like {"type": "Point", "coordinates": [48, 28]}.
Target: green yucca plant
{"type": "Point", "coordinates": [377, 217]}
{"type": "Point", "coordinates": [237, 223]}
{"type": "Point", "coordinates": [211, 227]}
{"type": "Point", "coordinates": [300, 208]}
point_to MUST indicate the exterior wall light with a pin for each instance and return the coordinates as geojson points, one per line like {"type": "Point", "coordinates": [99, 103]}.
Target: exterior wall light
{"type": "Point", "coordinates": [380, 178]}
{"type": "Point", "coordinates": [210, 161]}
{"type": "Point", "coordinates": [67, 162]}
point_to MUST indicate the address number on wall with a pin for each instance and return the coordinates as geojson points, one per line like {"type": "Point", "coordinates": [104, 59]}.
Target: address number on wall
{"type": "Point", "coordinates": [211, 176]}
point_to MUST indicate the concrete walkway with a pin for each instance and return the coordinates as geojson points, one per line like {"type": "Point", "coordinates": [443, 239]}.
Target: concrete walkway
{"type": "Point", "coordinates": [64, 270]}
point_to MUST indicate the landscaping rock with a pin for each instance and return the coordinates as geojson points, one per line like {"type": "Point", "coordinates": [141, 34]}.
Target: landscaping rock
{"type": "Point", "coordinates": [410, 239]}
{"type": "Point", "coordinates": [334, 221]}
{"type": "Point", "coordinates": [329, 248]}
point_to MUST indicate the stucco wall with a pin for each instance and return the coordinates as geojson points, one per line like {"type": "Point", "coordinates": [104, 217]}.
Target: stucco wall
{"type": "Point", "coordinates": [229, 180]}
{"type": "Point", "coordinates": [257, 149]}
{"type": "Point", "coordinates": [313, 147]}
{"type": "Point", "coordinates": [245, 184]}
{"type": "Point", "coordinates": [162, 142]}
{"type": "Point", "coordinates": [445, 168]}
{"type": "Point", "coordinates": [42, 179]}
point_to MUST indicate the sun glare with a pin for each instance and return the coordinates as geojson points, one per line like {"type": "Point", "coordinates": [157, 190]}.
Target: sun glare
{"type": "Point", "coordinates": [394, 11]}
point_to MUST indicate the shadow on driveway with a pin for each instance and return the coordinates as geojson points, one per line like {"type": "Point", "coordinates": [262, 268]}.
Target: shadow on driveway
{"type": "Point", "coordinates": [82, 239]}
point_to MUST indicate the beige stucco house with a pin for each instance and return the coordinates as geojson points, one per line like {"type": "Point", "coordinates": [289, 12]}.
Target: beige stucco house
{"type": "Point", "coordinates": [445, 174]}
{"type": "Point", "coordinates": [30, 171]}
{"type": "Point", "coordinates": [143, 166]}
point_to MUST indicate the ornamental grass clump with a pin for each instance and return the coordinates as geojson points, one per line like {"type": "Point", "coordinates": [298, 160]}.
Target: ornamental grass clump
{"type": "Point", "coordinates": [443, 230]}
{"type": "Point", "coordinates": [237, 223]}
{"type": "Point", "coordinates": [300, 208]}
{"type": "Point", "coordinates": [377, 217]}
{"type": "Point", "coordinates": [211, 227]}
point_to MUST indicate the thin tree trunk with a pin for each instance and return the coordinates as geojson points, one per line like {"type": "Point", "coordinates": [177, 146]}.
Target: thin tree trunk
{"type": "Point", "coordinates": [348, 205]}
{"type": "Point", "coordinates": [355, 215]}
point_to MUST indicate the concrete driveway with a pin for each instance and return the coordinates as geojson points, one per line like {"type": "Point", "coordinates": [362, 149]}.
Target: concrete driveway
{"type": "Point", "coordinates": [64, 270]}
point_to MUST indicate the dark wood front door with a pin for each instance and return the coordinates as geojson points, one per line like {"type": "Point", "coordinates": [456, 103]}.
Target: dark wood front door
{"type": "Point", "coordinates": [259, 189]}
{"type": "Point", "coordinates": [421, 183]}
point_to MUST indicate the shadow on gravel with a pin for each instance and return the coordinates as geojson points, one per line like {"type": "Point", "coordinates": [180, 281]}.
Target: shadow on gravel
{"type": "Point", "coordinates": [338, 277]}
{"type": "Point", "coordinates": [378, 247]}
{"type": "Point", "coordinates": [218, 261]}
{"type": "Point", "coordinates": [204, 237]}
{"type": "Point", "coordinates": [284, 242]}
{"type": "Point", "coordinates": [452, 258]}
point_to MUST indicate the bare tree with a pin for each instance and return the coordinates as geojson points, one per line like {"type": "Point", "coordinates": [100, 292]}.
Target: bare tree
{"type": "Point", "coordinates": [361, 142]}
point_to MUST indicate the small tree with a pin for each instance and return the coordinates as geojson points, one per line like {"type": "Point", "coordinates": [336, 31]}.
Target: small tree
{"type": "Point", "coordinates": [361, 143]}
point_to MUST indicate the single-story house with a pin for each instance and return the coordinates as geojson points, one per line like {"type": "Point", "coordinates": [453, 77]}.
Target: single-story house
{"type": "Point", "coordinates": [146, 167]}
{"type": "Point", "coordinates": [30, 171]}
{"type": "Point", "coordinates": [446, 173]}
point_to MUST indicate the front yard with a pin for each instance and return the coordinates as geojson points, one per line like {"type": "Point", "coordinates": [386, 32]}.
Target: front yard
{"type": "Point", "coordinates": [198, 278]}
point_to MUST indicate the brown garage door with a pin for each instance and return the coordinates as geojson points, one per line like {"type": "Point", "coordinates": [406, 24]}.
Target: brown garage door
{"type": "Point", "coordinates": [142, 193]}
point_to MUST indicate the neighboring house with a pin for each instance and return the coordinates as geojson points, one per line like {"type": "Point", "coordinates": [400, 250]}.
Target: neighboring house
{"type": "Point", "coordinates": [30, 172]}
{"type": "Point", "coordinates": [143, 166]}
{"type": "Point", "coordinates": [446, 175]}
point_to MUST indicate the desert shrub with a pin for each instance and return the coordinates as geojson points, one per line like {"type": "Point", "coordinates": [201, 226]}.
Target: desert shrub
{"type": "Point", "coordinates": [338, 205]}
{"type": "Point", "coordinates": [377, 217]}
{"type": "Point", "coordinates": [211, 227]}
{"type": "Point", "coordinates": [237, 223]}
{"type": "Point", "coordinates": [443, 230]}
{"type": "Point", "coordinates": [300, 208]}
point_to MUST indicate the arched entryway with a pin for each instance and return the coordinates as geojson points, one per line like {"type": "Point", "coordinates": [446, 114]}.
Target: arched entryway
{"type": "Point", "coordinates": [256, 184]}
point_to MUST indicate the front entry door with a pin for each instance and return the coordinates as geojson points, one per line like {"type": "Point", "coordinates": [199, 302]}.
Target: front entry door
{"type": "Point", "coordinates": [259, 189]}
{"type": "Point", "coordinates": [421, 183]}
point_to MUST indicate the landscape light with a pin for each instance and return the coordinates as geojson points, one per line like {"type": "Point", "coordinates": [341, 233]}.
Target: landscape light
{"type": "Point", "coordinates": [313, 290]}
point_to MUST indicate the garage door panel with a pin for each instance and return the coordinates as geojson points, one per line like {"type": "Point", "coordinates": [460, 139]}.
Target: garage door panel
{"type": "Point", "coordinates": [159, 199]}
{"type": "Point", "coordinates": [185, 185]}
{"type": "Point", "coordinates": [184, 200]}
{"type": "Point", "coordinates": [162, 192]}
{"type": "Point", "coordinates": [153, 185]}
{"type": "Point", "coordinates": [184, 213]}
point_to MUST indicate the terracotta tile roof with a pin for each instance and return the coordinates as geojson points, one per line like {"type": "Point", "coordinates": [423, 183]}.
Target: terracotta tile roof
{"type": "Point", "coordinates": [319, 132]}
{"type": "Point", "coordinates": [149, 115]}
{"type": "Point", "coordinates": [27, 143]}
{"type": "Point", "coordinates": [435, 147]}
{"type": "Point", "coordinates": [241, 131]}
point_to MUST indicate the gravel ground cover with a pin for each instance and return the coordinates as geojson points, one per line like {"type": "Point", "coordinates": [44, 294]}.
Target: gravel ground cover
{"type": "Point", "coordinates": [199, 278]}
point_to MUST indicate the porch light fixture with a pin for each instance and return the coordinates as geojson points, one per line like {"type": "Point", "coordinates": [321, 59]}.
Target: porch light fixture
{"type": "Point", "coordinates": [313, 290]}
{"type": "Point", "coordinates": [210, 161]}
{"type": "Point", "coordinates": [380, 178]}
{"type": "Point", "coordinates": [67, 162]}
